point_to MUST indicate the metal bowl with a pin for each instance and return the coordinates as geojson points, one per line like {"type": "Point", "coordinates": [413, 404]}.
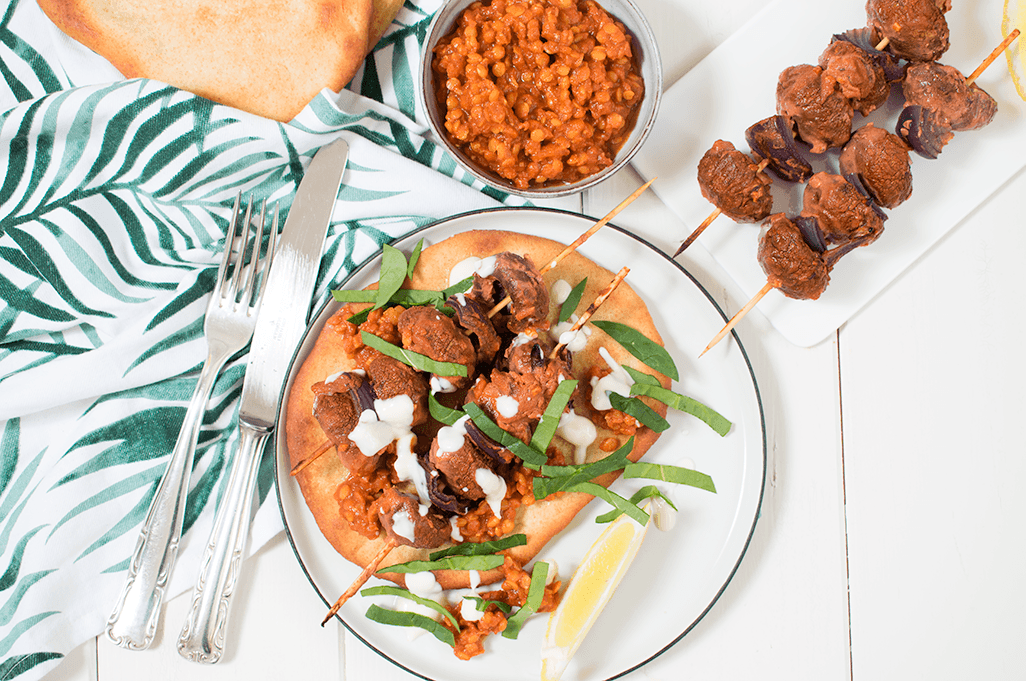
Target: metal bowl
{"type": "Point", "coordinates": [646, 50]}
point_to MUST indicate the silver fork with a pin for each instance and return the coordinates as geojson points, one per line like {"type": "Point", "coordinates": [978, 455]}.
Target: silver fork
{"type": "Point", "coordinates": [228, 327]}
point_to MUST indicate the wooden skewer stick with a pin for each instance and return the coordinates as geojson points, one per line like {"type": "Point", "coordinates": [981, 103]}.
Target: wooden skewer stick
{"type": "Point", "coordinates": [992, 56]}
{"type": "Point", "coordinates": [606, 292]}
{"type": "Point", "coordinates": [361, 580]}
{"type": "Point", "coordinates": [739, 316]}
{"type": "Point", "coordinates": [581, 239]}
{"type": "Point", "coordinates": [712, 216]}
{"type": "Point", "coordinates": [882, 45]}
{"type": "Point", "coordinates": [310, 459]}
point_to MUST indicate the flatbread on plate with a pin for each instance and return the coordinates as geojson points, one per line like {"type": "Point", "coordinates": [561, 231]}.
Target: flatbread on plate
{"type": "Point", "coordinates": [268, 57]}
{"type": "Point", "coordinates": [541, 520]}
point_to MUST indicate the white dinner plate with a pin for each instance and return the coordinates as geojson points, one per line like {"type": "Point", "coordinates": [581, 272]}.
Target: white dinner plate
{"type": "Point", "coordinates": [735, 86]}
{"type": "Point", "coordinates": [678, 575]}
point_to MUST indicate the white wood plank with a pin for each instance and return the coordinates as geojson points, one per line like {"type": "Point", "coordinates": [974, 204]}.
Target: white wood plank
{"type": "Point", "coordinates": [932, 376]}
{"type": "Point", "coordinates": [274, 631]}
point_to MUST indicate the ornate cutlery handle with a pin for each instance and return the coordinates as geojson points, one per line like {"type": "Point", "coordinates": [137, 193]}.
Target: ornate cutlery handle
{"type": "Point", "coordinates": [133, 622]}
{"type": "Point", "coordinates": [202, 637]}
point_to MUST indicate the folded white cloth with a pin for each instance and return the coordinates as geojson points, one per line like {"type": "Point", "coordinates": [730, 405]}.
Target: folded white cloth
{"type": "Point", "coordinates": [113, 207]}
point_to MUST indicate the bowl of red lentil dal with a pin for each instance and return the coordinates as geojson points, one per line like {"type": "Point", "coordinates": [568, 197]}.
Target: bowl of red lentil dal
{"type": "Point", "coordinates": [541, 98]}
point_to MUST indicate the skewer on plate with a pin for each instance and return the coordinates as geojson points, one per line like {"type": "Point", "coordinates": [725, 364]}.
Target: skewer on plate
{"type": "Point", "coordinates": [580, 240]}
{"type": "Point", "coordinates": [601, 298]}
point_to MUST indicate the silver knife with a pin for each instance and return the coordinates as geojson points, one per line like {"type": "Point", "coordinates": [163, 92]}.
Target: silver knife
{"type": "Point", "coordinates": [280, 326]}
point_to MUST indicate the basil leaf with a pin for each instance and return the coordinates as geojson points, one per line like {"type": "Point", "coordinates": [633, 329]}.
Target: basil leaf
{"type": "Point", "coordinates": [535, 594]}
{"type": "Point", "coordinates": [409, 595]}
{"type": "Point", "coordinates": [354, 296]}
{"type": "Point", "coordinates": [613, 499]}
{"type": "Point", "coordinates": [553, 412]}
{"type": "Point", "coordinates": [667, 473]}
{"type": "Point", "coordinates": [482, 605]}
{"type": "Point", "coordinates": [482, 548]}
{"type": "Point", "coordinates": [642, 347]}
{"type": "Point", "coordinates": [489, 562]}
{"type": "Point", "coordinates": [413, 297]}
{"type": "Point", "coordinates": [686, 404]}
{"type": "Point", "coordinates": [393, 274]}
{"type": "Point", "coordinates": [360, 317]}
{"type": "Point", "coordinates": [414, 257]}
{"type": "Point", "coordinates": [562, 478]}
{"type": "Point", "coordinates": [570, 304]}
{"type": "Point", "coordinates": [411, 619]}
{"type": "Point", "coordinates": [442, 413]}
{"type": "Point", "coordinates": [532, 458]}
{"type": "Point", "coordinates": [646, 492]}
{"type": "Point", "coordinates": [632, 406]}
{"type": "Point", "coordinates": [413, 359]}
{"type": "Point", "coordinates": [461, 286]}
{"type": "Point", "coordinates": [642, 377]}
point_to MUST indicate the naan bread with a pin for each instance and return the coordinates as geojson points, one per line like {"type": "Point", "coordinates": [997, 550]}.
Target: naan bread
{"type": "Point", "coordinates": [268, 57]}
{"type": "Point", "coordinates": [541, 520]}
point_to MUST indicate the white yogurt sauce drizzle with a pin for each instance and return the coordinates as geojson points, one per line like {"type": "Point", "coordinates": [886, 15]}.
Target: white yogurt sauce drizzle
{"type": "Point", "coordinates": [561, 291]}
{"type": "Point", "coordinates": [507, 406]}
{"type": "Point", "coordinates": [441, 385]}
{"type": "Point", "coordinates": [573, 340]}
{"type": "Point", "coordinates": [578, 431]}
{"type": "Point", "coordinates": [494, 488]}
{"type": "Point", "coordinates": [618, 381]}
{"type": "Point", "coordinates": [451, 438]}
{"type": "Point", "coordinates": [483, 267]}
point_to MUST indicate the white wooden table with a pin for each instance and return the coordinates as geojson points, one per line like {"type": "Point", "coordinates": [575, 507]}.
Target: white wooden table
{"type": "Point", "coordinates": [890, 543]}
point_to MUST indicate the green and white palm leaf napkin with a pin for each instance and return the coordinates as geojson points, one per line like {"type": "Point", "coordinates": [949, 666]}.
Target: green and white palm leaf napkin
{"type": "Point", "coordinates": [114, 200]}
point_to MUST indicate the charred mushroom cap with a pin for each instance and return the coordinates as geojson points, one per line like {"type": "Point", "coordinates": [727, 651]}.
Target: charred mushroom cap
{"type": "Point", "coordinates": [880, 160]}
{"type": "Point", "coordinates": [943, 91]}
{"type": "Point", "coordinates": [858, 76]}
{"type": "Point", "coordinates": [915, 29]}
{"type": "Point", "coordinates": [459, 467]}
{"type": "Point", "coordinates": [730, 180]}
{"type": "Point", "coordinates": [473, 318]}
{"type": "Point", "coordinates": [390, 378]}
{"type": "Point", "coordinates": [773, 139]}
{"type": "Point", "coordinates": [822, 115]}
{"type": "Point", "coordinates": [338, 404]}
{"type": "Point", "coordinates": [427, 331]}
{"type": "Point", "coordinates": [399, 513]}
{"type": "Point", "coordinates": [843, 213]}
{"type": "Point", "coordinates": [519, 279]}
{"type": "Point", "coordinates": [438, 491]}
{"type": "Point", "coordinates": [789, 263]}
{"type": "Point", "coordinates": [867, 38]}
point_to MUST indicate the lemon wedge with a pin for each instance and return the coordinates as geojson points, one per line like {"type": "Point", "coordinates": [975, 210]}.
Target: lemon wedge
{"type": "Point", "coordinates": [1015, 17]}
{"type": "Point", "coordinates": [590, 588]}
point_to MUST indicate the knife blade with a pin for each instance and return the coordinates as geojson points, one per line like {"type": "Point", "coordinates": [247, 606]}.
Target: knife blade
{"type": "Point", "coordinates": [281, 321]}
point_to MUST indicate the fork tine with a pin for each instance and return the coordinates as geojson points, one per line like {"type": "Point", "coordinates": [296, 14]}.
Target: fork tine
{"type": "Point", "coordinates": [229, 243]}
{"type": "Point", "coordinates": [236, 282]}
{"type": "Point", "coordinates": [249, 279]}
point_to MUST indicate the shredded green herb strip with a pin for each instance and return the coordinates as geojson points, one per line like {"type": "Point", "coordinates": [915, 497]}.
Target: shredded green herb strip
{"type": "Point", "coordinates": [393, 274]}
{"type": "Point", "coordinates": [461, 286]}
{"type": "Point", "coordinates": [706, 414]}
{"type": "Point", "coordinates": [413, 359]}
{"type": "Point", "coordinates": [535, 593]}
{"type": "Point", "coordinates": [553, 412]}
{"type": "Point", "coordinates": [642, 347]}
{"type": "Point", "coordinates": [668, 473]}
{"type": "Point", "coordinates": [411, 619]}
{"type": "Point", "coordinates": [646, 492]}
{"type": "Point", "coordinates": [563, 478]}
{"type": "Point", "coordinates": [482, 548]}
{"type": "Point", "coordinates": [531, 457]}
{"type": "Point", "coordinates": [489, 562]}
{"type": "Point", "coordinates": [482, 604]}
{"type": "Point", "coordinates": [572, 300]}
{"type": "Point", "coordinates": [642, 377]}
{"type": "Point", "coordinates": [409, 595]}
{"type": "Point", "coordinates": [414, 257]}
{"type": "Point", "coordinates": [442, 413]}
{"type": "Point", "coordinates": [632, 406]}
{"type": "Point", "coordinates": [613, 499]}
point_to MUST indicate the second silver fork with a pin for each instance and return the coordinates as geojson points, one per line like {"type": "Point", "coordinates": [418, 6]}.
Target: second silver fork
{"type": "Point", "coordinates": [228, 327]}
